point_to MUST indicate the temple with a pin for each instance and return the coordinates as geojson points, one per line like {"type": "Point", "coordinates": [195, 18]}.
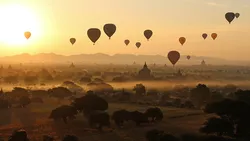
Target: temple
{"type": "Point", "coordinates": [145, 73]}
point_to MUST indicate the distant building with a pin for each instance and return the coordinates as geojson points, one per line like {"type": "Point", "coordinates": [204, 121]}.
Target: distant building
{"type": "Point", "coordinates": [203, 63]}
{"type": "Point", "coordinates": [10, 67]}
{"type": "Point", "coordinates": [179, 73]}
{"type": "Point", "coordinates": [145, 73]}
{"type": "Point", "coordinates": [72, 65]}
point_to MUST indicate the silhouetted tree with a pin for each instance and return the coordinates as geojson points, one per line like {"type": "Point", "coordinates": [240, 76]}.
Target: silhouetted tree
{"type": "Point", "coordinates": [218, 126]}
{"type": "Point", "coordinates": [85, 79]}
{"type": "Point", "coordinates": [216, 96]}
{"type": "Point", "coordinates": [30, 80]}
{"type": "Point", "coordinates": [19, 135]}
{"type": "Point", "coordinates": [24, 101]}
{"type": "Point", "coordinates": [230, 88]}
{"type": "Point", "coordinates": [236, 112]}
{"type": "Point", "coordinates": [200, 95]}
{"type": "Point", "coordinates": [89, 103]}
{"type": "Point", "coordinates": [60, 92]}
{"type": "Point", "coordinates": [140, 89]}
{"type": "Point", "coordinates": [18, 92]}
{"type": "Point", "coordinates": [153, 92]}
{"type": "Point", "coordinates": [11, 79]}
{"type": "Point", "coordinates": [70, 138]}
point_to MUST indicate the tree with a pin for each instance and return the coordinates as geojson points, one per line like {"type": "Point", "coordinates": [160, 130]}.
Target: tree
{"type": "Point", "coordinates": [140, 89]}
{"type": "Point", "coordinates": [218, 126]}
{"type": "Point", "coordinates": [242, 95]}
{"type": "Point", "coordinates": [30, 80]}
{"type": "Point", "coordinates": [18, 92]}
{"type": "Point", "coordinates": [60, 93]}
{"type": "Point", "coordinates": [24, 101]}
{"type": "Point", "coordinates": [153, 92]}
{"type": "Point", "coordinates": [200, 95]}
{"type": "Point", "coordinates": [229, 88]}
{"type": "Point", "coordinates": [85, 79]}
{"type": "Point", "coordinates": [236, 112]}
{"type": "Point", "coordinates": [11, 79]}
{"type": "Point", "coordinates": [216, 96]}
{"type": "Point", "coordinates": [89, 103]}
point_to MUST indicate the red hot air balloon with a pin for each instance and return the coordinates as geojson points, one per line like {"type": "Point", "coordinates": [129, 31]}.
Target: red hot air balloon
{"type": "Point", "coordinates": [148, 34]}
{"type": "Point", "coordinates": [27, 34]}
{"type": "Point", "coordinates": [173, 57]}
{"type": "Point", "coordinates": [138, 44]}
{"type": "Point", "coordinates": [188, 57]}
{"type": "Point", "coordinates": [204, 35]}
{"type": "Point", "coordinates": [126, 42]}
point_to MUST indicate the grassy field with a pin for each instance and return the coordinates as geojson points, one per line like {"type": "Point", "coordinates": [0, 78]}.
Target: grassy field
{"type": "Point", "coordinates": [34, 120]}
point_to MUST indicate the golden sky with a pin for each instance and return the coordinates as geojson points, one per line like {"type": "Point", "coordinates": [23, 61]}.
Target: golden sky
{"type": "Point", "coordinates": [53, 22]}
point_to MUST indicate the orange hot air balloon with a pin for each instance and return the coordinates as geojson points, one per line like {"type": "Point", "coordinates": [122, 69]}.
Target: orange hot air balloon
{"type": "Point", "coordinates": [188, 57]}
{"type": "Point", "coordinates": [173, 57]}
{"type": "Point", "coordinates": [27, 34]}
{"type": "Point", "coordinates": [126, 42]}
{"type": "Point", "coordinates": [214, 35]}
{"type": "Point", "coordinates": [204, 35]}
{"type": "Point", "coordinates": [148, 34]}
{"type": "Point", "coordinates": [72, 41]}
{"type": "Point", "coordinates": [138, 44]}
{"type": "Point", "coordinates": [182, 40]}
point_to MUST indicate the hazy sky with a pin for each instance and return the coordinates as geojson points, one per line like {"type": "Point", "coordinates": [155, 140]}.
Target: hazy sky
{"type": "Point", "coordinates": [53, 22]}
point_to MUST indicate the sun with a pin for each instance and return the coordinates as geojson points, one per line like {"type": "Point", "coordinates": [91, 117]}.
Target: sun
{"type": "Point", "coordinates": [14, 21]}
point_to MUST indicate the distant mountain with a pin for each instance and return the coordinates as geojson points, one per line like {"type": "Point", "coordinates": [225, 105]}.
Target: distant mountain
{"type": "Point", "coordinates": [100, 58]}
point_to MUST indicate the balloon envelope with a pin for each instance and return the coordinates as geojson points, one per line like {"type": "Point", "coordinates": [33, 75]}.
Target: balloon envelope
{"type": "Point", "coordinates": [27, 34]}
{"type": "Point", "coordinates": [148, 34]}
{"type": "Point", "coordinates": [109, 29]}
{"type": "Point", "coordinates": [126, 42]}
{"type": "Point", "coordinates": [214, 35]}
{"type": "Point", "coordinates": [188, 57]}
{"type": "Point", "coordinates": [72, 40]}
{"type": "Point", "coordinates": [182, 40]}
{"type": "Point", "coordinates": [230, 16]}
{"type": "Point", "coordinates": [138, 44]}
{"type": "Point", "coordinates": [204, 35]}
{"type": "Point", "coordinates": [94, 34]}
{"type": "Point", "coordinates": [173, 57]}
{"type": "Point", "coordinates": [237, 15]}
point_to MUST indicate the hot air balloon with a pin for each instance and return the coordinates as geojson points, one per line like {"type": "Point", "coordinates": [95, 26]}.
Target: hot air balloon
{"type": "Point", "coordinates": [237, 15]}
{"type": "Point", "coordinates": [27, 34]}
{"type": "Point", "coordinates": [214, 35]}
{"type": "Point", "coordinates": [94, 34]}
{"type": "Point", "coordinates": [138, 44]}
{"type": "Point", "coordinates": [148, 34]}
{"type": "Point", "coordinates": [109, 29]}
{"type": "Point", "coordinates": [188, 57]}
{"type": "Point", "coordinates": [204, 35]}
{"type": "Point", "coordinates": [182, 40]}
{"type": "Point", "coordinates": [126, 42]}
{"type": "Point", "coordinates": [72, 40]}
{"type": "Point", "coordinates": [230, 16]}
{"type": "Point", "coordinates": [173, 57]}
